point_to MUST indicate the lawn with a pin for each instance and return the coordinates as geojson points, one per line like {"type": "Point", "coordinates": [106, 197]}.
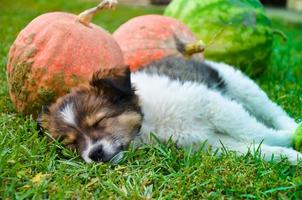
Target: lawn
{"type": "Point", "coordinates": [32, 167]}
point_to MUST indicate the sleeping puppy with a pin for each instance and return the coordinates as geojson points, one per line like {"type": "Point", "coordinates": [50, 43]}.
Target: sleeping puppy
{"type": "Point", "coordinates": [190, 101]}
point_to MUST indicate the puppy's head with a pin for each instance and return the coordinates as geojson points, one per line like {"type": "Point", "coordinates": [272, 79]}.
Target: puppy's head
{"type": "Point", "coordinates": [98, 120]}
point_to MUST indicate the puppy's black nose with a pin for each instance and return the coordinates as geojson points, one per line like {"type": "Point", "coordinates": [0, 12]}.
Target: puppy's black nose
{"type": "Point", "coordinates": [98, 155]}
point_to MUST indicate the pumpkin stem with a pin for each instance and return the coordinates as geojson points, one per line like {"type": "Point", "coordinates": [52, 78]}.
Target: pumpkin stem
{"type": "Point", "coordinates": [86, 16]}
{"type": "Point", "coordinates": [192, 48]}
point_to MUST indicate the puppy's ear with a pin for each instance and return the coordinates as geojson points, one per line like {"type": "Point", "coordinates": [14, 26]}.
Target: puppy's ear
{"type": "Point", "coordinates": [114, 82]}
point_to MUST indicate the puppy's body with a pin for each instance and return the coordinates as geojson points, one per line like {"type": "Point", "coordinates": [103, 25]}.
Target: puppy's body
{"type": "Point", "coordinates": [192, 102]}
{"type": "Point", "coordinates": [189, 101]}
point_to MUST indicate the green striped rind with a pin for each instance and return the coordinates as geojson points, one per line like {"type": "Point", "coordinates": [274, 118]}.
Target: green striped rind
{"type": "Point", "coordinates": [298, 138]}
{"type": "Point", "coordinates": [243, 32]}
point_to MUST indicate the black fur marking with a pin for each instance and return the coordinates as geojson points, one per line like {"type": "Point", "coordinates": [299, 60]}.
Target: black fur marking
{"type": "Point", "coordinates": [119, 85]}
{"type": "Point", "coordinates": [187, 70]}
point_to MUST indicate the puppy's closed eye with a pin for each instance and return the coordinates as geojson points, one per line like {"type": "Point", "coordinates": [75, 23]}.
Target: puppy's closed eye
{"type": "Point", "coordinates": [94, 119]}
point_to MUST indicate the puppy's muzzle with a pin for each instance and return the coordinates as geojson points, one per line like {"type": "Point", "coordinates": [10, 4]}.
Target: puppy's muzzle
{"type": "Point", "coordinates": [98, 154]}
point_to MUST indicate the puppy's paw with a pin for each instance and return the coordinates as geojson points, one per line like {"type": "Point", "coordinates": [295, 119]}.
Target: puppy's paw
{"type": "Point", "coordinates": [298, 138]}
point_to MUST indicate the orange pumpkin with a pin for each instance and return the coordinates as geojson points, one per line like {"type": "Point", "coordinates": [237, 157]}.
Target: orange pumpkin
{"type": "Point", "coordinates": [151, 37]}
{"type": "Point", "coordinates": [55, 52]}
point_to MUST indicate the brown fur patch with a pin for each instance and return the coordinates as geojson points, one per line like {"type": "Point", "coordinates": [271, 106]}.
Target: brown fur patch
{"type": "Point", "coordinates": [131, 119]}
{"type": "Point", "coordinates": [70, 138]}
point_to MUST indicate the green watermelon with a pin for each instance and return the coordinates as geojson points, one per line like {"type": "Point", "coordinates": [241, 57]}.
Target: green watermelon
{"type": "Point", "coordinates": [237, 32]}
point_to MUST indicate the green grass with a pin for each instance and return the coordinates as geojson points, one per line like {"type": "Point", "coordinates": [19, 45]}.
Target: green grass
{"type": "Point", "coordinates": [32, 167]}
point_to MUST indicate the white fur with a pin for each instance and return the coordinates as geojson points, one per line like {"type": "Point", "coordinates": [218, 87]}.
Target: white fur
{"type": "Point", "coordinates": [190, 114]}
{"type": "Point", "coordinates": [85, 153]}
{"type": "Point", "coordinates": [67, 114]}
{"type": "Point", "coordinates": [244, 90]}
